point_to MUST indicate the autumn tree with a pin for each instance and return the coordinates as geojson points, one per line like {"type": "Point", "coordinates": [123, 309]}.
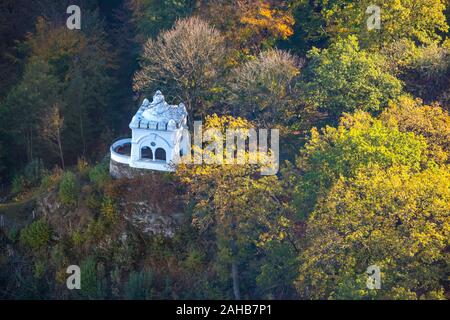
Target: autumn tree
{"type": "Point", "coordinates": [267, 21]}
{"type": "Point", "coordinates": [345, 78]}
{"type": "Point", "coordinates": [393, 218]}
{"type": "Point", "coordinates": [53, 124]}
{"type": "Point", "coordinates": [20, 120]}
{"type": "Point", "coordinates": [185, 61]}
{"type": "Point", "coordinates": [231, 199]}
{"type": "Point", "coordinates": [418, 66]}
{"type": "Point", "coordinates": [358, 141]}
{"type": "Point", "coordinates": [249, 26]}
{"type": "Point", "coordinates": [263, 89]}
{"type": "Point", "coordinates": [430, 122]}
{"type": "Point", "coordinates": [422, 21]}
{"type": "Point", "coordinates": [153, 16]}
{"type": "Point", "coordinates": [81, 61]}
{"type": "Point", "coordinates": [16, 19]}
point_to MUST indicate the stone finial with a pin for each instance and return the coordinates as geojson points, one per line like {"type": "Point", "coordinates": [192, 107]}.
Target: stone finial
{"type": "Point", "coordinates": [158, 98]}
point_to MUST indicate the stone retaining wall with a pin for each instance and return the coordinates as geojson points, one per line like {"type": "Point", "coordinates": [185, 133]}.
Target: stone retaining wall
{"type": "Point", "coordinates": [120, 170]}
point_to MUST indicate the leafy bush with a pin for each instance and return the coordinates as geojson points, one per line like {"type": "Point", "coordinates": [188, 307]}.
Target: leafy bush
{"type": "Point", "coordinates": [93, 199]}
{"type": "Point", "coordinates": [39, 269]}
{"type": "Point", "coordinates": [57, 255]}
{"type": "Point", "coordinates": [50, 180]}
{"type": "Point", "coordinates": [31, 177]}
{"type": "Point", "coordinates": [195, 259]}
{"type": "Point", "coordinates": [109, 210]}
{"type": "Point", "coordinates": [13, 234]}
{"type": "Point", "coordinates": [33, 172]}
{"type": "Point", "coordinates": [18, 184]}
{"type": "Point", "coordinates": [36, 235]}
{"type": "Point", "coordinates": [82, 166]}
{"type": "Point", "coordinates": [89, 283]}
{"type": "Point", "coordinates": [139, 286]}
{"type": "Point", "coordinates": [69, 189]}
{"type": "Point", "coordinates": [100, 174]}
{"type": "Point", "coordinates": [77, 238]}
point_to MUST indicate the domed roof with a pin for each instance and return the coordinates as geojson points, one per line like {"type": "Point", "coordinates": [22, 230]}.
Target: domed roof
{"type": "Point", "coordinates": [159, 111]}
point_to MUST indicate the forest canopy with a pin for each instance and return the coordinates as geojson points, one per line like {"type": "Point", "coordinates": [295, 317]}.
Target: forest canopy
{"type": "Point", "coordinates": [363, 117]}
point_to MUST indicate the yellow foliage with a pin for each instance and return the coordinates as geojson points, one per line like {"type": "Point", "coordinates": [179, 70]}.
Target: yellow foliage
{"type": "Point", "coordinates": [277, 22]}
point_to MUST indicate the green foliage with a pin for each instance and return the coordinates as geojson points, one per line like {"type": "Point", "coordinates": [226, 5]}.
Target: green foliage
{"type": "Point", "coordinates": [93, 199]}
{"type": "Point", "coordinates": [39, 269]}
{"type": "Point", "coordinates": [431, 122]}
{"type": "Point", "coordinates": [139, 286]}
{"type": "Point", "coordinates": [422, 21]}
{"type": "Point", "coordinates": [36, 235]}
{"type": "Point", "coordinates": [152, 16]}
{"type": "Point", "coordinates": [195, 259]}
{"type": "Point", "coordinates": [58, 255]}
{"type": "Point", "coordinates": [100, 174]}
{"type": "Point", "coordinates": [278, 271]}
{"type": "Point", "coordinates": [69, 189]}
{"type": "Point", "coordinates": [109, 210]}
{"type": "Point", "coordinates": [13, 234]}
{"type": "Point", "coordinates": [34, 172]}
{"type": "Point", "coordinates": [18, 184]}
{"type": "Point", "coordinates": [233, 201]}
{"type": "Point", "coordinates": [51, 180]}
{"type": "Point", "coordinates": [59, 60]}
{"type": "Point", "coordinates": [393, 218]}
{"type": "Point", "coordinates": [91, 281]}
{"type": "Point", "coordinates": [77, 238]}
{"type": "Point", "coordinates": [31, 177]}
{"type": "Point", "coordinates": [21, 111]}
{"type": "Point", "coordinates": [418, 66]}
{"type": "Point", "coordinates": [83, 168]}
{"type": "Point", "coordinates": [344, 78]}
{"type": "Point", "coordinates": [358, 141]}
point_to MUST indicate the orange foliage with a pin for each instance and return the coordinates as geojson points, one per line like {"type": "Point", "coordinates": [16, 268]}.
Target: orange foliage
{"type": "Point", "coordinates": [250, 25]}
{"type": "Point", "coordinates": [263, 18]}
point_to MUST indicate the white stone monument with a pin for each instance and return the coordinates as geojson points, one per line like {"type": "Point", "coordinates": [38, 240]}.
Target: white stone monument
{"type": "Point", "coordinates": [157, 138]}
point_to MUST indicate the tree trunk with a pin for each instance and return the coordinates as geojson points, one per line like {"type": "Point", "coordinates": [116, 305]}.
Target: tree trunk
{"type": "Point", "coordinates": [60, 150]}
{"type": "Point", "coordinates": [234, 263]}
{"type": "Point", "coordinates": [82, 135]}
{"type": "Point", "coordinates": [29, 138]}
{"type": "Point", "coordinates": [235, 275]}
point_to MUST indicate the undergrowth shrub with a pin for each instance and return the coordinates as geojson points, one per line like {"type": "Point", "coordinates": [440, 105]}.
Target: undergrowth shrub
{"type": "Point", "coordinates": [69, 189]}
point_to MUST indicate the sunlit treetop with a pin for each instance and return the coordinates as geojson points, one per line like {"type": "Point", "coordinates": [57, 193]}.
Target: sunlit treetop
{"type": "Point", "coordinates": [419, 20]}
{"type": "Point", "coordinates": [358, 141]}
{"type": "Point", "coordinates": [394, 219]}
{"type": "Point", "coordinates": [431, 122]}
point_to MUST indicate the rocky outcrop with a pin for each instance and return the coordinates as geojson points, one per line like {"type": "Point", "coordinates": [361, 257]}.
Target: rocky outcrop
{"type": "Point", "coordinates": [148, 220]}
{"type": "Point", "coordinates": [148, 200]}
{"type": "Point", "coordinates": [48, 204]}
{"type": "Point", "coordinates": [123, 171]}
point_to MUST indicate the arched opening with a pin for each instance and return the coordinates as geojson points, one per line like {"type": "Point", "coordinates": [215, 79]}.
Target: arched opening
{"type": "Point", "coordinates": [160, 154]}
{"type": "Point", "coordinates": [147, 153]}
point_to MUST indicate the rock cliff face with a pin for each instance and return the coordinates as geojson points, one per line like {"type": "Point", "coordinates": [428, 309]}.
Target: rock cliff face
{"type": "Point", "coordinates": [147, 203]}
{"type": "Point", "coordinates": [123, 171]}
{"type": "Point", "coordinates": [148, 219]}
{"type": "Point", "coordinates": [48, 204]}
{"type": "Point", "coordinates": [147, 200]}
